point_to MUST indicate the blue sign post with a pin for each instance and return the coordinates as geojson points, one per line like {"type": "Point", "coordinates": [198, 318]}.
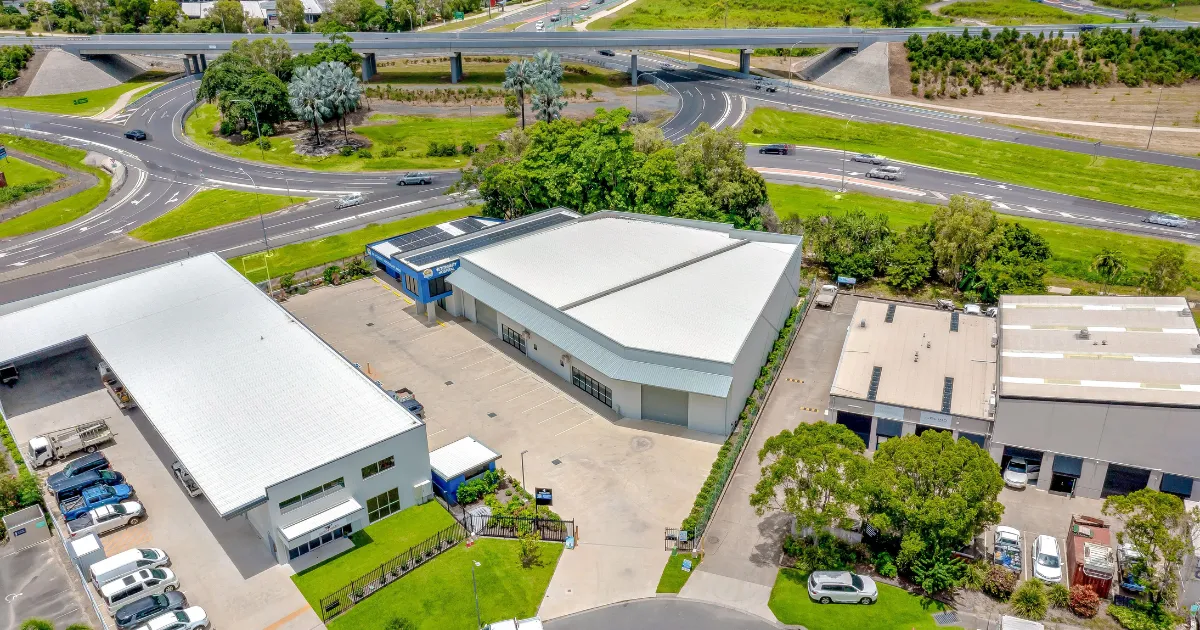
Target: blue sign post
{"type": "Point", "coordinates": [4, 152]}
{"type": "Point", "coordinates": [687, 566]}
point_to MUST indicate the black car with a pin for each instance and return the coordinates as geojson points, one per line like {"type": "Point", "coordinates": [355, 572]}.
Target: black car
{"type": "Point", "coordinates": [607, 53]}
{"type": "Point", "coordinates": [777, 149]}
{"type": "Point", "coordinates": [74, 486]}
{"type": "Point", "coordinates": [87, 463]}
{"type": "Point", "coordinates": [135, 134]}
{"type": "Point", "coordinates": [145, 608]}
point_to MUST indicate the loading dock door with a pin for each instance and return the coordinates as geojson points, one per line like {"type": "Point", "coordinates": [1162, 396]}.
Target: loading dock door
{"type": "Point", "coordinates": [486, 316]}
{"type": "Point", "coordinates": [1124, 480]}
{"type": "Point", "coordinates": [665, 405]}
{"type": "Point", "coordinates": [859, 424]}
{"type": "Point", "coordinates": [1066, 471]}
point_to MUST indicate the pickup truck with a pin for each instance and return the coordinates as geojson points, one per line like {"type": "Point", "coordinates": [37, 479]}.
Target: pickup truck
{"type": "Point", "coordinates": [826, 296]}
{"type": "Point", "coordinates": [1007, 552]}
{"type": "Point", "coordinates": [405, 397]}
{"type": "Point", "coordinates": [93, 498]}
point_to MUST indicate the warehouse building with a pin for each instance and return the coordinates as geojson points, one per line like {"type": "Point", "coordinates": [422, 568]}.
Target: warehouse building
{"type": "Point", "coordinates": [658, 318]}
{"type": "Point", "coordinates": [907, 369]}
{"type": "Point", "coordinates": [273, 424]}
{"type": "Point", "coordinates": [1103, 391]}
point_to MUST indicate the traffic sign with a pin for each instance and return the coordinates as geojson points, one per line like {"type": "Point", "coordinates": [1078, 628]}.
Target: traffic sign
{"type": "Point", "coordinates": [459, 15]}
{"type": "Point", "coordinates": [80, 101]}
{"type": "Point", "coordinates": [3, 152]}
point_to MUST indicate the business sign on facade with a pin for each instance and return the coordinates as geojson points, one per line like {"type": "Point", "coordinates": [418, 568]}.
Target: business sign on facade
{"type": "Point", "coordinates": [939, 420]}
{"type": "Point", "coordinates": [889, 412]}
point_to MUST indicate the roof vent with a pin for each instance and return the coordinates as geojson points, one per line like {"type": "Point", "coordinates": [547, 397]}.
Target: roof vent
{"type": "Point", "coordinates": [928, 344]}
{"type": "Point", "coordinates": [947, 394]}
{"type": "Point", "coordinates": [891, 313]}
{"type": "Point", "coordinates": [1084, 334]}
{"type": "Point", "coordinates": [995, 340]}
{"type": "Point", "coordinates": [862, 323]}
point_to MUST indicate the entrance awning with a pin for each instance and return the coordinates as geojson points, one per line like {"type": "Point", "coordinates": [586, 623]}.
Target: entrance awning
{"type": "Point", "coordinates": [348, 510]}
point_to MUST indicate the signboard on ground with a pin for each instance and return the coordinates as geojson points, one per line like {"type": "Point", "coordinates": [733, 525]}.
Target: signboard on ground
{"type": "Point", "coordinates": [687, 566]}
{"type": "Point", "coordinates": [80, 101]}
{"type": "Point", "coordinates": [459, 15]}
{"type": "Point", "coordinates": [543, 496]}
{"type": "Point", "coordinates": [847, 280]}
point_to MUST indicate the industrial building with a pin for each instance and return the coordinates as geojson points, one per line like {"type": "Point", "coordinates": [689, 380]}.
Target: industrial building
{"type": "Point", "coordinates": [658, 318]}
{"type": "Point", "coordinates": [907, 369]}
{"type": "Point", "coordinates": [1104, 391]}
{"type": "Point", "coordinates": [274, 425]}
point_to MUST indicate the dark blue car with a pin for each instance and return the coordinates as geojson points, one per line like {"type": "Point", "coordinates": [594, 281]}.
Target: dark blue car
{"type": "Point", "coordinates": [145, 608]}
{"type": "Point", "coordinates": [93, 497]}
{"type": "Point", "coordinates": [73, 486]}
{"type": "Point", "coordinates": [89, 462]}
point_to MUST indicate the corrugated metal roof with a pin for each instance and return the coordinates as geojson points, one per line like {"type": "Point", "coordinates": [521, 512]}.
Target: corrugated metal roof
{"type": "Point", "coordinates": [242, 393]}
{"type": "Point", "coordinates": [609, 363]}
{"type": "Point", "coordinates": [461, 456]}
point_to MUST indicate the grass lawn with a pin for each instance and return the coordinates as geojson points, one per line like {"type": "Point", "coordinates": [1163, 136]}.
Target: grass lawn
{"type": "Point", "coordinates": [373, 546]}
{"type": "Point", "coordinates": [439, 595]}
{"type": "Point", "coordinates": [298, 256]}
{"type": "Point", "coordinates": [412, 133]}
{"type": "Point", "coordinates": [97, 100]}
{"type": "Point", "coordinates": [1137, 184]}
{"type": "Point", "coordinates": [653, 14]}
{"type": "Point", "coordinates": [64, 210]}
{"type": "Point", "coordinates": [210, 208]}
{"type": "Point", "coordinates": [507, 28]}
{"type": "Point", "coordinates": [896, 609]}
{"type": "Point", "coordinates": [673, 576]}
{"type": "Point", "coordinates": [1014, 12]}
{"type": "Point", "coordinates": [489, 71]}
{"type": "Point", "coordinates": [24, 179]}
{"type": "Point", "coordinates": [1073, 246]}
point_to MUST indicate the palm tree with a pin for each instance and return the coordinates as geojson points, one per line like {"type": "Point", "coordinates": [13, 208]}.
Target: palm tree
{"type": "Point", "coordinates": [1109, 263]}
{"type": "Point", "coordinates": [548, 102]}
{"type": "Point", "coordinates": [518, 77]}
{"type": "Point", "coordinates": [309, 98]}
{"type": "Point", "coordinates": [548, 66]}
{"type": "Point", "coordinates": [345, 90]}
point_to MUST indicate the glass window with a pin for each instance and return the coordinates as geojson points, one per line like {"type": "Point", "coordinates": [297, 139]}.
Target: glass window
{"type": "Point", "coordinates": [378, 467]}
{"type": "Point", "coordinates": [410, 283]}
{"type": "Point", "coordinates": [309, 496]}
{"type": "Point", "coordinates": [591, 386]}
{"type": "Point", "coordinates": [513, 338]}
{"type": "Point", "coordinates": [438, 286]}
{"type": "Point", "coordinates": [383, 505]}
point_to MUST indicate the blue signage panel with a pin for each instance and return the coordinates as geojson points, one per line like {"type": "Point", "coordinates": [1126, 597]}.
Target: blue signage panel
{"type": "Point", "coordinates": [847, 280]}
{"type": "Point", "coordinates": [687, 566]}
{"type": "Point", "coordinates": [3, 152]}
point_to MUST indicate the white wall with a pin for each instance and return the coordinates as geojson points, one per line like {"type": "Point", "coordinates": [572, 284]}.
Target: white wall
{"type": "Point", "coordinates": [757, 345]}
{"type": "Point", "coordinates": [708, 414]}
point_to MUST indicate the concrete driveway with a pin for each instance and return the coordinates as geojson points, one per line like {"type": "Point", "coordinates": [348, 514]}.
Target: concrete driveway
{"type": "Point", "coordinates": [36, 583]}
{"type": "Point", "coordinates": [621, 480]}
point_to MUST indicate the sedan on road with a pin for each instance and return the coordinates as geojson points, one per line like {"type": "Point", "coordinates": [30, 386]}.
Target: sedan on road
{"type": "Point", "coordinates": [1169, 220]}
{"type": "Point", "coordinates": [106, 518]}
{"type": "Point", "coordinates": [607, 53]}
{"type": "Point", "coordinates": [869, 158]}
{"type": "Point", "coordinates": [891, 173]}
{"type": "Point", "coordinates": [353, 199]}
{"type": "Point", "coordinates": [414, 178]}
{"type": "Point", "coordinates": [777, 149]}
{"type": "Point", "coordinates": [135, 134]}
{"type": "Point", "coordinates": [1047, 564]}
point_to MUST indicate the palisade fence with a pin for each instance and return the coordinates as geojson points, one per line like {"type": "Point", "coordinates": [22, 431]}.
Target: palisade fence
{"type": "Point", "coordinates": [551, 530]}
{"type": "Point", "coordinates": [754, 406]}
{"type": "Point", "coordinates": [346, 597]}
{"type": "Point", "coordinates": [305, 278]}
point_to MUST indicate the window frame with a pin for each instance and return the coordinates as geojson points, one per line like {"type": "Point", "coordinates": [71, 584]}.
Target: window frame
{"type": "Point", "coordinates": [379, 467]}
{"type": "Point", "coordinates": [311, 495]}
{"type": "Point", "coordinates": [591, 386]}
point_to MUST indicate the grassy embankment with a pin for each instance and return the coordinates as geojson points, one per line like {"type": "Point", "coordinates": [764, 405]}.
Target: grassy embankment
{"type": "Point", "coordinates": [64, 210]}
{"type": "Point", "coordinates": [24, 179]}
{"type": "Point", "coordinates": [211, 208]}
{"type": "Point", "coordinates": [97, 100]}
{"type": "Point", "coordinates": [1136, 184]}
{"type": "Point", "coordinates": [896, 608]}
{"type": "Point", "coordinates": [1016, 12]}
{"type": "Point", "coordinates": [653, 14]}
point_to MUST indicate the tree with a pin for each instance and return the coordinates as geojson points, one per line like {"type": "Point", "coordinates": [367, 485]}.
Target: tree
{"type": "Point", "coordinates": [519, 77]}
{"type": "Point", "coordinates": [911, 260]}
{"type": "Point", "coordinates": [308, 99]}
{"type": "Point", "coordinates": [234, 77]}
{"type": "Point", "coordinates": [1109, 263]}
{"type": "Point", "coordinates": [531, 548]}
{"type": "Point", "coordinates": [715, 163]}
{"type": "Point", "coordinates": [134, 12]}
{"type": "Point", "coordinates": [271, 54]}
{"type": "Point", "coordinates": [930, 492]}
{"type": "Point", "coordinates": [852, 244]}
{"type": "Point", "coordinates": [1168, 274]}
{"type": "Point", "coordinates": [163, 14]}
{"type": "Point", "coordinates": [229, 14]}
{"type": "Point", "coordinates": [37, 624]}
{"type": "Point", "coordinates": [812, 473]}
{"type": "Point", "coordinates": [899, 13]}
{"type": "Point", "coordinates": [344, 90]}
{"type": "Point", "coordinates": [91, 10]}
{"type": "Point", "coordinates": [547, 99]}
{"type": "Point", "coordinates": [962, 236]}
{"type": "Point", "coordinates": [346, 12]}
{"type": "Point", "coordinates": [291, 14]}
{"type": "Point", "coordinates": [1158, 527]}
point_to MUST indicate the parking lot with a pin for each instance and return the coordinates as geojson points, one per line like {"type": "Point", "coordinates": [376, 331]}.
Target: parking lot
{"type": "Point", "coordinates": [621, 480]}
{"type": "Point", "coordinates": [221, 565]}
{"type": "Point", "coordinates": [37, 582]}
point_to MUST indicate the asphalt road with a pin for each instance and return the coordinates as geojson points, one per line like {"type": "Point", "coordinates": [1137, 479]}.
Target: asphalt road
{"type": "Point", "coordinates": [660, 614]}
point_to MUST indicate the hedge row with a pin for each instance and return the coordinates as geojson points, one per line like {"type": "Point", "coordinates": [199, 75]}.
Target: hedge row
{"type": "Point", "coordinates": [719, 474]}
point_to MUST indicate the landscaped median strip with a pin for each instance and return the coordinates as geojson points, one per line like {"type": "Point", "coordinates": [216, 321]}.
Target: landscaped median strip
{"type": "Point", "coordinates": [212, 208]}
{"type": "Point", "coordinates": [62, 211]}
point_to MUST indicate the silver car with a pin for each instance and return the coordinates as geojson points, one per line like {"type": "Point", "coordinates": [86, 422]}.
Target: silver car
{"type": "Point", "coordinates": [353, 199]}
{"type": "Point", "coordinates": [891, 173]}
{"type": "Point", "coordinates": [1169, 220]}
{"type": "Point", "coordinates": [842, 587]}
{"type": "Point", "coordinates": [408, 179]}
{"type": "Point", "coordinates": [105, 519]}
{"type": "Point", "coordinates": [869, 158]}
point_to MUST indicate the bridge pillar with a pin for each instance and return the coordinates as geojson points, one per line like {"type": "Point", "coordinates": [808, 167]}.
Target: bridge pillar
{"type": "Point", "coordinates": [744, 61]}
{"type": "Point", "coordinates": [456, 67]}
{"type": "Point", "coordinates": [368, 66]}
{"type": "Point", "coordinates": [633, 71]}
{"type": "Point", "coordinates": [203, 63]}
{"type": "Point", "coordinates": [187, 64]}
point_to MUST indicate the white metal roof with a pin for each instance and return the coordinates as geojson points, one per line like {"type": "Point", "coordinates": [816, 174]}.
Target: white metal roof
{"type": "Point", "coordinates": [244, 395]}
{"type": "Point", "coordinates": [461, 456]}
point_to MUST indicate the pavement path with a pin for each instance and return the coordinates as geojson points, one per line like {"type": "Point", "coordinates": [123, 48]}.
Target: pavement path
{"type": "Point", "coordinates": [123, 101]}
{"type": "Point", "coordinates": [661, 613]}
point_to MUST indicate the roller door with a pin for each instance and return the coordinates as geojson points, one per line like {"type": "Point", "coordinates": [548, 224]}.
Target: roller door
{"type": "Point", "coordinates": [486, 316]}
{"type": "Point", "coordinates": [664, 405]}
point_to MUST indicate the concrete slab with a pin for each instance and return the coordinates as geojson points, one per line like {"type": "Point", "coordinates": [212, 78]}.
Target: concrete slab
{"type": "Point", "coordinates": [36, 583]}
{"type": "Point", "coordinates": [729, 592]}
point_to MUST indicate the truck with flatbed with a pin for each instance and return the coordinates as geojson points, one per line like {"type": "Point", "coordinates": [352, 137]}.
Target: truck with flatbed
{"type": "Point", "coordinates": [93, 498]}
{"type": "Point", "coordinates": [408, 400]}
{"type": "Point", "coordinates": [48, 447]}
{"type": "Point", "coordinates": [826, 296]}
{"type": "Point", "coordinates": [1007, 549]}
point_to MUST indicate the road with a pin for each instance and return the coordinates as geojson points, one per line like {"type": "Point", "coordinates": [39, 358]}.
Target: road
{"type": "Point", "coordinates": [660, 614]}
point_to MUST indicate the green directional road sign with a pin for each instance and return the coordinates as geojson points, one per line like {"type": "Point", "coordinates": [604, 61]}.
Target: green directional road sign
{"type": "Point", "coordinates": [80, 101]}
{"type": "Point", "coordinates": [459, 15]}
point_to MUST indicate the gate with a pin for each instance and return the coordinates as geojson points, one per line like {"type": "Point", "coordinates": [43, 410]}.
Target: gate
{"type": "Point", "coordinates": [678, 539]}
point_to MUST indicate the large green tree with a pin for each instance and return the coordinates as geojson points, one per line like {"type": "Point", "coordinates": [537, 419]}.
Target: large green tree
{"type": "Point", "coordinates": [899, 13]}
{"type": "Point", "coordinates": [164, 14]}
{"type": "Point", "coordinates": [519, 76]}
{"type": "Point", "coordinates": [854, 243]}
{"type": "Point", "coordinates": [911, 259]}
{"type": "Point", "coordinates": [229, 15]}
{"type": "Point", "coordinates": [1110, 264]}
{"type": "Point", "coordinates": [812, 473]}
{"type": "Point", "coordinates": [962, 236]}
{"type": "Point", "coordinates": [931, 492]}
{"type": "Point", "coordinates": [134, 12]}
{"type": "Point", "coordinates": [272, 54]}
{"type": "Point", "coordinates": [1158, 527]}
{"type": "Point", "coordinates": [1168, 273]}
{"type": "Point", "coordinates": [291, 14]}
{"type": "Point", "coordinates": [232, 78]}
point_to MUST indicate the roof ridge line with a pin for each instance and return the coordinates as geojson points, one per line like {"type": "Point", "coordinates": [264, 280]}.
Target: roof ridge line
{"type": "Point", "coordinates": [661, 272]}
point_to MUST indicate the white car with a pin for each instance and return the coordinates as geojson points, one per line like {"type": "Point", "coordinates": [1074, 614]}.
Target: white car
{"type": "Point", "coordinates": [191, 619]}
{"type": "Point", "coordinates": [842, 587]}
{"type": "Point", "coordinates": [353, 199]}
{"type": "Point", "coordinates": [1021, 472]}
{"type": "Point", "coordinates": [106, 518]}
{"type": "Point", "coordinates": [540, 26]}
{"type": "Point", "coordinates": [869, 158]}
{"type": "Point", "coordinates": [892, 173]}
{"type": "Point", "coordinates": [1169, 220]}
{"type": "Point", "coordinates": [1047, 564]}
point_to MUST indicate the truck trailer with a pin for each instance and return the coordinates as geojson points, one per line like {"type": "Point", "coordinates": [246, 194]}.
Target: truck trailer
{"type": "Point", "coordinates": [1090, 554]}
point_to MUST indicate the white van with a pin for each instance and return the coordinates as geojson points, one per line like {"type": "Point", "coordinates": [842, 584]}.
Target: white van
{"type": "Point", "coordinates": [125, 563]}
{"type": "Point", "coordinates": [136, 586]}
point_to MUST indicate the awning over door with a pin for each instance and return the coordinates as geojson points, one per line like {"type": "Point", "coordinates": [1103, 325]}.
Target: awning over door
{"type": "Point", "coordinates": [345, 512]}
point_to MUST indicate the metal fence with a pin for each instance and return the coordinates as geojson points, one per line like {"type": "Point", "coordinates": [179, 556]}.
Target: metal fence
{"type": "Point", "coordinates": [672, 540]}
{"type": "Point", "coordinates": [514, 526]}
{"type": "Point", "coordinates": [347, 596]}
{"type": "Point", "coordinates": [754, 404]}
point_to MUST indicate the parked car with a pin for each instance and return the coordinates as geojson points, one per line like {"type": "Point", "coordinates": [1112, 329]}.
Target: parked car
{"type": "Point", "coordinates": [92, 498]}
{"type": "Point", "coordinates": [607, 53]}
{"type": "Point", "coordinates": [408, 400]}
{"type": "Point", "coordinates": [1020, 473]}
{"type": "Point", "coordinates": [125, 563]}
{"type": "Point", "coordinates": [1007, 550]}
{"type": "Point", "coordinates": [87, 463]}
{"type": "Point", "coordinates": [149, 607]}
{"type": "Point", "coordinates": [869, 158]}
{"type": "Point", "coordinates": [106, 518]}
{"type": "Point", "coordinates": [826, 296]}
{"type": "Point", "coordinates": [191, 619]}
{"type": "Point", "coordinates": [777, 149]}
{"type": "Point", "coordinates": [1047, 563]}
{"type": "Point", "coordinates": [135, 586]}
{"type": "Point", "coordinates": [842, 587]}
{"type": "Point", "coordinates": [73, 486]}
{"type": "Point", "coordinates": [1169, 220]}
{"type": "Point", "coordinates": [135, 134]}
{"type": "Point", "coordinates": [353, 199]}
{"type": "Point", "coordinates": [972, 309]}
{"type": "Point", "coordinates": [414, 178]}
{"type": "Point", "coordinates": [891, 173]}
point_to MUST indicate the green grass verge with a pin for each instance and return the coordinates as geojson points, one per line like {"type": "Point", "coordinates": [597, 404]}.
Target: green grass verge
{"type": "Point", "coordinates": [1137, 184]}
{"type": "Point", "coordinates": [62, 211]}
{"type": "Point", "coordinates": [653, 14]}
{"type": "Point", "coordinates": [210, 208]}
{"type": "Point", "coordinates": [896, 609]}
{"type": "Point", "coordinates": [1014, 12]}
{"type": "Point", "coordinates": [490, 73]}
{"type": "Point", "coordinates": [1073, 247]}
{"type": "Point", "coordinates": [24, 179]}
{"type": "Point", "coordinates": [373, 546]}
{"type": "Point", "coordinates": [439, 595]}
{"type": "Point", "coordinates": [97, 100]}
{"type": "Point", "coordinates": [410, 134]}
{"type": "Point", "coordinates": [673, 576]}
{"type": "Point", "coordinates": [298, 256]}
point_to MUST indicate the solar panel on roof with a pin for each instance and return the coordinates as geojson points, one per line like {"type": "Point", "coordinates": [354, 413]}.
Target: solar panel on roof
{"type": "Point", "coordinates": [876, 372]}
{"type": "Point", "coordinates": [452, 250]}
{"type": "Point", "coordinates": [417, 239]}
{"type": "Point", "coordinates": [467, 225]}
{"type": "Point", "coordinates": [947, 394]}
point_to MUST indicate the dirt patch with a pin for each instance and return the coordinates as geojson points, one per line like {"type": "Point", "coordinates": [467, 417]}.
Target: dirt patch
{"type": "Point", "coordinates": [19, 87]}
{"type": "Point", "coordinates": [899, 70]}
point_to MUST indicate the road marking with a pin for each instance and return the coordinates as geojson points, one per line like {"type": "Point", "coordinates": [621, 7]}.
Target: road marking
{"type": "Point", "coordinates": [1033, 210]}
{"type": "Point", "coordinates": [728, 109]}
{"type": "Point", "coordinates": [571, 408]}
{"type": "Point", "coordinates": [137, 201]}
{"type": "Point", "coordinates": [540, 385]}
{"type": "Point", "coordinates": [81, 274]}
{"type": "Point", "coordinates": [574, 427]}
{"type": "Point", "coordinates": [1000, 205]}
{"type": "Point", "coordinates": [938, 195]}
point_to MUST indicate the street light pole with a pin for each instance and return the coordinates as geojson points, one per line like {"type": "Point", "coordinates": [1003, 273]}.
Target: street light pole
{"type": "Point", "coordinates": [1155, 119]}
{"type": "Point", "coordinates": [475, 587]}
{"type": "Point", "coordinates": [523, 468]}
{"type": "Point", "coordinates": [787, 61]}
{"type": "Point", "coordinates": [845, 140]}
{"type": "Point", "coordinates": [257, 127]}
{"type": "Point", "coordinates": [263, 223]}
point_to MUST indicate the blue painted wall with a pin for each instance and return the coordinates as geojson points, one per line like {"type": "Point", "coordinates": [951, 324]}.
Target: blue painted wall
{"type": "Point", "coordinates": [448, 488]}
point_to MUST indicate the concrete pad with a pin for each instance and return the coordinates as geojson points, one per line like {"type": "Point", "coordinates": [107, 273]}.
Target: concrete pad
{"type": "Point", "coordinates": [61, 73]}
{"type": "Point", "coordinates": [36, 583]}
{"type": "Point", "coordinates": [595, 575]}
{"type": "Point", "coordinates": [733, 593]}
{"type": "Point", "coordinates": [865, 73]}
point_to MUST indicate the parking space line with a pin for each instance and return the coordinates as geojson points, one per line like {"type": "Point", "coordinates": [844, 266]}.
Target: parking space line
{"type": "Point", "coordinates": [435, 432]}
{"type": "Point", "coordinates": [540, 385]}
{"type": "Point", "coordinates": [508, 383]}
{"type": "Point", "coordinates": [432, 332]}
{"type": "Point", "coordinates": [540, 404]}
{"type": "Point", "coordinates": [571, 408]}
{"type": "Point", "coordinates": [585, 421]}
{"type": "Point", "coordinates": [489, 357]}
{"type": "Point", "coordinates": [493, 372]}
{"type": "Point", "coordinates": [455, 356]}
